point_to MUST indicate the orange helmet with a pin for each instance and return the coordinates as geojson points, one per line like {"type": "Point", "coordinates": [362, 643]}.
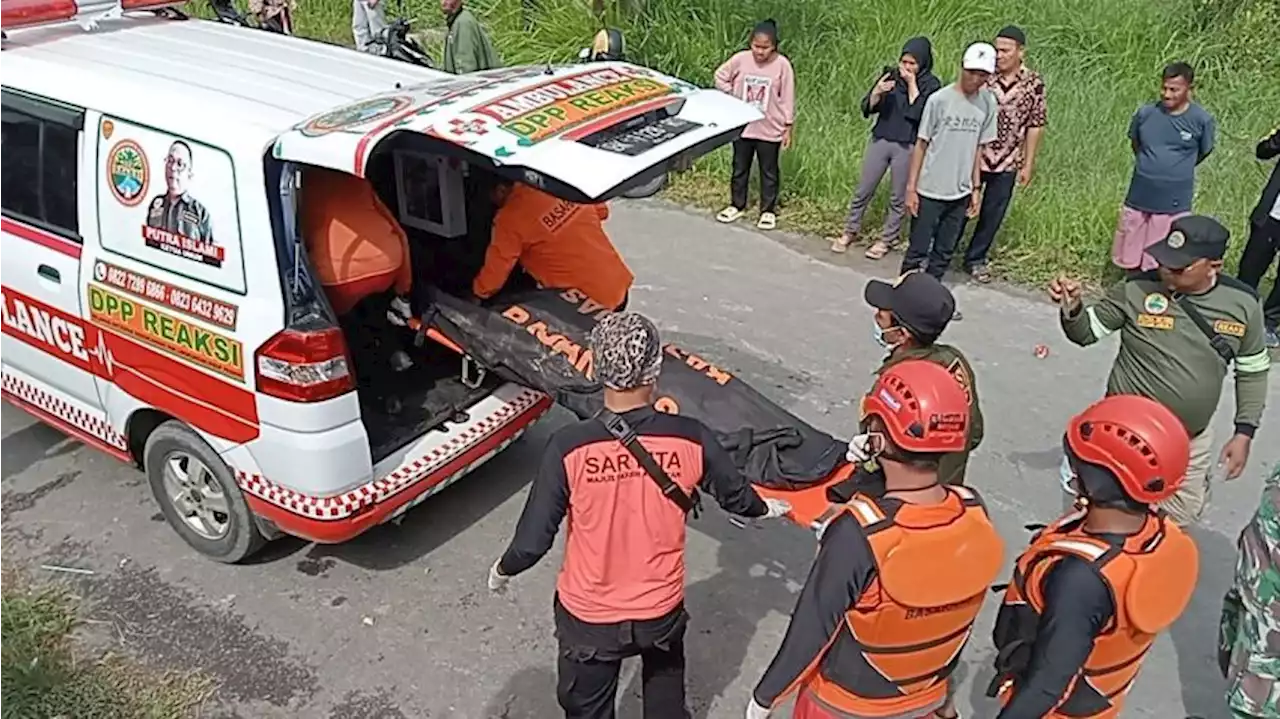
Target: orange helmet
{"type": "Point", "coordinates": [1138, 440]}
{"type": "Point", "coordinates": [922, 406]}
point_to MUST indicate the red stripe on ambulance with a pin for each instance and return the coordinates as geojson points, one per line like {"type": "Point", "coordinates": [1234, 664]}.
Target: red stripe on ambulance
{"type": "Point", "coordinates": [40, 237]}
{"type": "Point", "coordinates": [196, 397]}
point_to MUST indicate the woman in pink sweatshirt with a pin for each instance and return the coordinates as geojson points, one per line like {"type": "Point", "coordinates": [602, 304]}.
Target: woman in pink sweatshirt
{"type": "Point", "coordinates": [763, 77]}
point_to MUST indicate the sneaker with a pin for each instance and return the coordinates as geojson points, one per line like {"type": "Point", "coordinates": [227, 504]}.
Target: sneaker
{"type": "Point", "coordinates": [956, 316]}
{"type": "Point", "coordinates": [1273, 338]}
{"type": "Point", "coordinates": [980, 274]}
{"type": "Point", "coordinates": [768, 221]}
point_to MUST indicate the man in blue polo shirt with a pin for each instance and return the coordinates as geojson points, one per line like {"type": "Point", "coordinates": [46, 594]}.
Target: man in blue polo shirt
{"type": "Point", "coordinates": [1169, 138]}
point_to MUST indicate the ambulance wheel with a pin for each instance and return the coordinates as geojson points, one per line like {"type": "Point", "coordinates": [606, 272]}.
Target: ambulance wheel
{"type": "Point", "coordinates": [198, 495]}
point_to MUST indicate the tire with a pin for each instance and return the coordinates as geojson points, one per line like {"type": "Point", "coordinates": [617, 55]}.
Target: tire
{"type": "Point", "coordinates": [648, 189]}
{"type": "Point", "coordinates": [169, 449]}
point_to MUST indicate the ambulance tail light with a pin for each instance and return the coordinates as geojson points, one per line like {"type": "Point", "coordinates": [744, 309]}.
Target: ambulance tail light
{"type": "Point", "coordinates": [301, 366]}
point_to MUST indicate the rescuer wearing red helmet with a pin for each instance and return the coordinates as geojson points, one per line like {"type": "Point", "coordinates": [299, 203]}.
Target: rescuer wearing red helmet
{"type": "Point", "coordinates": [916, 561]}
{"type": "Point", "coordinates": [1093, 590]}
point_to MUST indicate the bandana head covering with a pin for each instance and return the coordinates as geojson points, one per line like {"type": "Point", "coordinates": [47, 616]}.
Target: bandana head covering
{"type": "Point", "coordinates": [626, 352]}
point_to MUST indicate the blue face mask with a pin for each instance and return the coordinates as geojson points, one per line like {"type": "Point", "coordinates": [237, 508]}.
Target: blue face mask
{"type": "Point", "coordinates": [878, 333]}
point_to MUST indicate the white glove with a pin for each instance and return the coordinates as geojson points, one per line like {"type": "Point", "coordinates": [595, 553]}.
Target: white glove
{"type": "Point", "coordinates": [755, 711]}
{"type": "Point", "coordinates": [859, 449]}
{"type": "Point", "coordinates": [776, 508]}
{"type": "Point", "coordinates": [497, 580]}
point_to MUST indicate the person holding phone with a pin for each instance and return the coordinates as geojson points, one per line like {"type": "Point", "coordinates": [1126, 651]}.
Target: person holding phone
{"type": "Point", "coordinates": [897, 100]}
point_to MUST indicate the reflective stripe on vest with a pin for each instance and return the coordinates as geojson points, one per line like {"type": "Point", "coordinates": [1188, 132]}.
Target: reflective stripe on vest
{"type": "Point", "coordinates": [892, 658]}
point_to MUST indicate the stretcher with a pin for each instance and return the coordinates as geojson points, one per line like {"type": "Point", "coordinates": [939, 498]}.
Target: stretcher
{"type": "Point", "coordinates": [808, 504]}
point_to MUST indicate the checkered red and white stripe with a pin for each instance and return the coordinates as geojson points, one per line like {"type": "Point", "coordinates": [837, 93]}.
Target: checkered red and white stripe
{"type": "Point", "coordinates": [93, 424]}
{"type": "Point", "coordinates": [411, 471]}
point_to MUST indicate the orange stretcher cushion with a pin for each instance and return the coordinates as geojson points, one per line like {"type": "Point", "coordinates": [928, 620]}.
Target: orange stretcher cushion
{"type": "Point", "coordinates": [809, 503]}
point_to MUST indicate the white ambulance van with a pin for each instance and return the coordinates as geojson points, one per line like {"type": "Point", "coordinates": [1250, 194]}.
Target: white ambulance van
{"type": "Point", "coordinates": [159, 303]}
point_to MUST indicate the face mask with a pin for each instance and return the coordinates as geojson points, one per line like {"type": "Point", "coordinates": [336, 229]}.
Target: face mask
{"type": "Point", "coordinates": [877, 332]}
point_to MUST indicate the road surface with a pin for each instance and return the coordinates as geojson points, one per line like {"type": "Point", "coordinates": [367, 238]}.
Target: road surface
{"type": "Point", "coordinates": [399, 623]}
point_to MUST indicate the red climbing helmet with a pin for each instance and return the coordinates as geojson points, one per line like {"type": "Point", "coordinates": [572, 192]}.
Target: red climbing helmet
{"type": "Point", "coordinates": [1137, 439]}
{"type": "Point", "coordinates": [923, 407]}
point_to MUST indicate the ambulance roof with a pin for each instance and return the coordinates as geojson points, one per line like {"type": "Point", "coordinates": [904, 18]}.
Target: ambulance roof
{"type": "Point", "coordinates": [220, 83]}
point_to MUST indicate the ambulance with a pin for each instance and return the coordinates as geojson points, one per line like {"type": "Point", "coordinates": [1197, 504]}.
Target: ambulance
{"type": "Point", "coordinates": [158, 300]}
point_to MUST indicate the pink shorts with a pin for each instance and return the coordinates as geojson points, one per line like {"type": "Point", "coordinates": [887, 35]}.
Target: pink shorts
{"type": "Point", "coordinates": [1136, 232]}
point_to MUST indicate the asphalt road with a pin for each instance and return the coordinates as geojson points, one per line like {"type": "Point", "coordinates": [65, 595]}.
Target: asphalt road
{"type": "Point", "coordinates": [399, 623]}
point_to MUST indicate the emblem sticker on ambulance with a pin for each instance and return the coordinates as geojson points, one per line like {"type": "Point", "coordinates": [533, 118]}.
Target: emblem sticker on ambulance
{"type": "Point", "coordinates": [128, 173]}
{"type": "Point", "coordinates": [355, 115]}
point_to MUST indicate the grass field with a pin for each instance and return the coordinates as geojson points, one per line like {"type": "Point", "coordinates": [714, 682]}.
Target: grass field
{"type": "Point", "coordinates": [45, 677]}
{"type": "Point", "coordinates": [1100, 59]}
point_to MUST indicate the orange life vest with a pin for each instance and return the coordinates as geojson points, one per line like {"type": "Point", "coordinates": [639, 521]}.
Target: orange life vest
{"type": "Point", "coordinates": [1151, 575]}
{"type": "Point", "coordinates": [901, 640]}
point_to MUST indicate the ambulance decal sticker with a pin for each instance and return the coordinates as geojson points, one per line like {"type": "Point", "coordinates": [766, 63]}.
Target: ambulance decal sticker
{"type": "Point", "coordinates": [189, 225]}
{"type": "Point", "coordinates": [149, 288]}
{"type": "Point", "coordinates": [128, 172]}
{"type": "Point", "coordinates": [541, 112]}
{"type": "Point", "coordinates": [55, 333]}
{"type": "Point", "coordinates": [350, 116]}
{"type": "Point", "coordinates": [166, 332]}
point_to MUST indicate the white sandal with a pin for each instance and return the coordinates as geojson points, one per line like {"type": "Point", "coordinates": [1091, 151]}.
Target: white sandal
{"type": "Point", "coordinates": [729, 214]}
{"type": "Point", "coordinates": [840, 244]}
{"type": "Point", "coordinates": [768, 221]}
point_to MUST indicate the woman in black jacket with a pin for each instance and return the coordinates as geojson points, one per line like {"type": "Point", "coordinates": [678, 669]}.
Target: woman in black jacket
{"type": "Point", "coordinates": [897, 99]}
{"type": "Point", "coordinates": [1264, 238]}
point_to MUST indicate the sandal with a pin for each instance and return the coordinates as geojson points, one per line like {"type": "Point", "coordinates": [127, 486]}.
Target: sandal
{"type": "Point", "coordinates": [980, 274]}
{"type": "Point", "coordinates": [729, 214]}
{"type": "Point", "coordinates": [768, 221]}
{"type": "Point", "coordinates": [841, 244]}
{"type": "Point", "coordinates": [878, 250]}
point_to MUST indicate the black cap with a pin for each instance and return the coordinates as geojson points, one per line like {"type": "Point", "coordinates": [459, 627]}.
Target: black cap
{"type": "Point", "coordinates": [918, 301]}
{"type": "Point", "coordinates": [1191, 238]}
{"type": "Point", "coordinates": [1014, 33]}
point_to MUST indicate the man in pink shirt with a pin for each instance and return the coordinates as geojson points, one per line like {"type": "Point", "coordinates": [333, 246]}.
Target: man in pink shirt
{"type": "Point", "coordinates": [762, 77]}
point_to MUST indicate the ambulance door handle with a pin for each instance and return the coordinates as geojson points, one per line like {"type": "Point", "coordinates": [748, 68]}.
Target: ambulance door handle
{"type": "Point", "coordinates": [49, 273]}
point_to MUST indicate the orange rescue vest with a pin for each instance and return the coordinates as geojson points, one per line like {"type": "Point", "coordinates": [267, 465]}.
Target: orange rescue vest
{"type": "Point", "coordinates": [901, 640]}
{"type": "Point", "coordinates": [1151, 575]}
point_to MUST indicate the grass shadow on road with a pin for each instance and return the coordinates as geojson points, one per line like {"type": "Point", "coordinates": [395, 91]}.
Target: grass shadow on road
{"type": "Point", "coordinates": [1195, 635]}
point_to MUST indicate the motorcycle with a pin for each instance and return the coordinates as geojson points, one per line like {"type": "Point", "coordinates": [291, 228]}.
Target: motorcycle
{"type": "Point", "coordinates": [609, 45]}
{"type": "Point", "coordinates": [394, 41]}
{"type": "Point", "coordinates": [269, 15]}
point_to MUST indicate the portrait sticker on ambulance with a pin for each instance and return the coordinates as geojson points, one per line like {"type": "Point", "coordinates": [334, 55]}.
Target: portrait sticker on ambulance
{"type": "Point", "coordinates": [169, 202]}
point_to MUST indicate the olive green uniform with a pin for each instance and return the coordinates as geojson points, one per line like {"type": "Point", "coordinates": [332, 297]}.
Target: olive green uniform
{"type": "Point", "coordinates": [951, 469]}
{"type": "Point", "coordinates": [1166, 357]}
{"type": "Point", "coordinates": [185, 216]}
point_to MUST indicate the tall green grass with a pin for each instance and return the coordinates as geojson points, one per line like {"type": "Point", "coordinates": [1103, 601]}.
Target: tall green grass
{"type": "Point", "coordinates": [1100, 59]}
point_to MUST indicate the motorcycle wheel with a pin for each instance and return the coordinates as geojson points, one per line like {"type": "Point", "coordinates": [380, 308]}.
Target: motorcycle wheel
{"type": "Point", "coordinates": [648, 189]}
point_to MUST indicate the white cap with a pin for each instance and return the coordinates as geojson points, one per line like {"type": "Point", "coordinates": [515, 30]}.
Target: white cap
{"type": "Point", "coordinates": [980, 56]}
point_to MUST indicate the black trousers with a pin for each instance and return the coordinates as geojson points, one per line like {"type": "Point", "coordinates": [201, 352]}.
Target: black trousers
{"type": "Point", "coordinates": [997, 191]}
{"type": "Point", "coordinates": [767, 153]}
{"type": "Point", "coordinates": [934, 234]}
{"type": "Point", "coordinates": [1259, 253]}
{"type": "Point", "coordinates": [591, 656]}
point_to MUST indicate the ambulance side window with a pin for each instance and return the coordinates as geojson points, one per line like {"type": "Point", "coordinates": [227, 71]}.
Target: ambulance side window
{"type": "Point", "coordinates": [40, 145]}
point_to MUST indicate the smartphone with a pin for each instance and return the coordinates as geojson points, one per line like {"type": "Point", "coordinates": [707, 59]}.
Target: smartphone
{"type": "Point", "coordinates": [891, 71]}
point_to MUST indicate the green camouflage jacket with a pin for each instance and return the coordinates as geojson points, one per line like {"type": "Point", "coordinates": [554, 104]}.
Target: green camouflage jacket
{"type": "Point", "coordinates": [1249, 636]}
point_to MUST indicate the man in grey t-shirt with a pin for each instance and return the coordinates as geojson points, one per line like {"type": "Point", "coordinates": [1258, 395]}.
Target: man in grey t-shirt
{"type": "Point", "coordinates": [1169, 138]}
{"type": "Point", "coordinates": [944, 183]}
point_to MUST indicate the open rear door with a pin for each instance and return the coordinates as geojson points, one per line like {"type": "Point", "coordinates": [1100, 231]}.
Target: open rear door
{"type": "Point", "coordinates": [583, 132]}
